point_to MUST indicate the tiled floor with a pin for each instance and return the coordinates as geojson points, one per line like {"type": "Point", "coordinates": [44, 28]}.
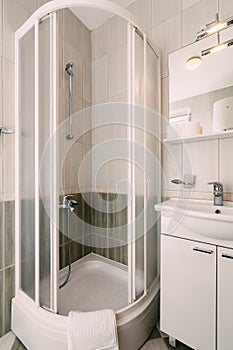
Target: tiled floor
{"type": "Point", "coordinates": [155, 342]}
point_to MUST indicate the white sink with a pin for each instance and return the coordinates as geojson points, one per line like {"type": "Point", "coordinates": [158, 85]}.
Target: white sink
{"type": "Point", "coordinates": [198, 216]}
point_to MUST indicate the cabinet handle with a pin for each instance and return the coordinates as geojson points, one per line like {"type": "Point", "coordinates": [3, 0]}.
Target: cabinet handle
{"type": "Point", "coordinates": [227, 256]}
{"type": "Point", "coordinates": [202, 250]}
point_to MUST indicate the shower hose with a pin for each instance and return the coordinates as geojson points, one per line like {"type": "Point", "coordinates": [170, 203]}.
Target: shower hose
{"type": "Point", "coordinates": [69, 251]}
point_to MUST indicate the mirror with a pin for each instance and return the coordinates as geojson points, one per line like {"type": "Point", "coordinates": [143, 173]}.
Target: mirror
{"type": "Point", "coordinates": [193, 93]}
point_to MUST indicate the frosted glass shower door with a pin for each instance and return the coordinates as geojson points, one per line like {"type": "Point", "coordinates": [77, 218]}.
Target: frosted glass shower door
{"type": "Point", "coordinates": [36, 191]}
{"type": "Point", "coordinates": [145, 155]}
{"type": "Point", "coordinates": [26, 162]}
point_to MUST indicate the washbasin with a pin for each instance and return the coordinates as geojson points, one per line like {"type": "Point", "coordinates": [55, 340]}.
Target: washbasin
{"type": "Point", "coordinates": [198, 216]}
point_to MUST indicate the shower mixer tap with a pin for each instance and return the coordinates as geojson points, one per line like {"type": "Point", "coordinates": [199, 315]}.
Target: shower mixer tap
{"type": "Point", "coordinates": [68, 203]}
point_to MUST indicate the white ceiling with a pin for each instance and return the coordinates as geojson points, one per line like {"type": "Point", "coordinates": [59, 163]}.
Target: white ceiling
{"type": "Point", "coordinates": [93, 18]}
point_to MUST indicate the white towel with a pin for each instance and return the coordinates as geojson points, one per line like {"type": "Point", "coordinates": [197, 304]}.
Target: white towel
{"type": "Point", "coordinates": [92, 330]}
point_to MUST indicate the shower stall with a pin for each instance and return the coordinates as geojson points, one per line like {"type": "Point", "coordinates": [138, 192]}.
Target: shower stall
{"type": "Point", "coordinates": [88, 144]}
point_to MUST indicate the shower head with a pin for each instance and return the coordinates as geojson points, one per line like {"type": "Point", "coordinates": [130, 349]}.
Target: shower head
{"type": "Point", "coordinates": [68, 68]}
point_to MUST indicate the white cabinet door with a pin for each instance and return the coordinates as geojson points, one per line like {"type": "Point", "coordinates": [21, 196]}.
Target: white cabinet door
{"type": "Point", "coordinates": [188, 292]}
{"type": "Point", "coordinates": [225, 299]}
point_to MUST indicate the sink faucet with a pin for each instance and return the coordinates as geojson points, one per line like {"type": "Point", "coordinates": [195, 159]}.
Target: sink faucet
{"type": "Point", "coordinates": [218, 192]}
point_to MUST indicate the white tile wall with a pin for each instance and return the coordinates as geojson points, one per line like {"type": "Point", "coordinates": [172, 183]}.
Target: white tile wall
{"type": "Point", "coordinates": [226, 164]}
{"type": "Point", "coordinates": [201, 160]}
{"type": "Point", "coordinates": [164, 10]}
{"type": "Point", "coordinates": [172, 164]}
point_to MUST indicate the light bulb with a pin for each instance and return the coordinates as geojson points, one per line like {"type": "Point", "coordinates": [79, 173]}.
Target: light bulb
{"type": "Point", "coordinates": [193, 63]}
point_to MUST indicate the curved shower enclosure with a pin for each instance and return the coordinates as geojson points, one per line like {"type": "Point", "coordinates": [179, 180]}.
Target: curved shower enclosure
{"type": "Point", "coordinates": [87, 172]}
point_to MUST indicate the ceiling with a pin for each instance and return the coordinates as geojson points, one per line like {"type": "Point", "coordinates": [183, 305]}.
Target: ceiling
{"type": "Point", "coordinates": [93, 18]}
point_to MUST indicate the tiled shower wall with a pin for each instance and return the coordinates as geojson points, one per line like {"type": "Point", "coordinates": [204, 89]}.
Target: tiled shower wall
{"type": "Point", "coordinates": [99, 230]}
{"type": "Point", "coordinates": [74, 46]}
{"type": "Point", "coordinates": [172, 24]}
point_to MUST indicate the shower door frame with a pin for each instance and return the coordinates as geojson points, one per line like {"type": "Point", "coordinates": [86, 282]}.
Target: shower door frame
{"type": "Point", "coordinates": [51, 8]}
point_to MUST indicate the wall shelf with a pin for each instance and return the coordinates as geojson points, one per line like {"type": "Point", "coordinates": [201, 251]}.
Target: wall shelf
{"type": "Point", "coordinates": [201, 137]}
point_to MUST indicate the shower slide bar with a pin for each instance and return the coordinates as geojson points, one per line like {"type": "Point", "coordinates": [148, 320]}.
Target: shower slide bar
{"type": "Point", "coordinates": [70, 73]}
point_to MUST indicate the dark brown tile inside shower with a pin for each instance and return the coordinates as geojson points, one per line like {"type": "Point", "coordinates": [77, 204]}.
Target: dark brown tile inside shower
{"type": "Point", "coordinates": [98, 224]}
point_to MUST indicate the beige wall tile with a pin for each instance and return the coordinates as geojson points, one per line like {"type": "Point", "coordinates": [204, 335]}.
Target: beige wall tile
{"type": "Point", "coordinates": [30, 5]}
{"type": "Point", "coordinates": [116, 32]}
{"type": "Point", "coordinates": [119, 98]}
{"type": "Point", "coordinates": [225, 9]}
{"type": "Point", "coordinates": [99, 41]}
{"type": "Point", "coordinates": [71, 166]}
{"type": "Point", "coordinates": [72, 30]}
{"type": "Point", "coordinates": [14, 15]}
{"type": "Point", "coordinates": [165, 97]}
{"type": "Point", "coordinates": [1, 90]}
{"type": "Point", "coordinates": [188, 3]}
{"type": "Point", "coordinates": [8, 93]}
{"type": "Point", "coordinates": [142, 12]}
{"type": "Point", "coordinates": [168, 38]}
{"type": "Point", "coordinates": [86, 43]}
{"type": "Point", "coordinates": [117, 71]}
{"type": "Point", "coordinates": [164, 10]}
{"type": "Point", "coordinates": [87, 80]}
{"type": "Point", "coordinates": [99, 80]}
{"type": "Point", "coordinates": [41, 2]}
{"type": "Point", "coordinates": [85, 180]}
{"type": "Point", "coordinates": [9, 164]}
{"type": "Point", "coordinates": [225, 164]}
{"type": "Point", "coordinates": [1, 27]}
{"type": "Point", "coordinates": [195, 17]}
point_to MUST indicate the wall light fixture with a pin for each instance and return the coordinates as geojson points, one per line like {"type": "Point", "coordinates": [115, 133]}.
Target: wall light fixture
{"type": "Point", "coordinates": [214, 27]}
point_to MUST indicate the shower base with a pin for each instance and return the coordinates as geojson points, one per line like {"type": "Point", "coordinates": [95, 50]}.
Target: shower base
{"type": "Point", "coordinates": [95, 283]}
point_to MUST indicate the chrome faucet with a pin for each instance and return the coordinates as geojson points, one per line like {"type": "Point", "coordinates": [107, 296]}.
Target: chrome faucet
{"type": "Point", "coordinates": [68, 203]}
{"type": "Point", "coordinates": [218, 192]}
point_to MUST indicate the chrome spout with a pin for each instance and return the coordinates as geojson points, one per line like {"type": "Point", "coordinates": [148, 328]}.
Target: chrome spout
{"type": "Point", "coordinates": [218, 192]}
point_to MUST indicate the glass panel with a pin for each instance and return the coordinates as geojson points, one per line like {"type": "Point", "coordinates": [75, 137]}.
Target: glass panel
{"type": "Point", "coordinates": [27, 161]}
{"type": "Point", "coordinates": [44, 133]}
{"type": "Point", "coordinates": [152, 145]}
{"type": "Point", "coordinates": [139, 165]}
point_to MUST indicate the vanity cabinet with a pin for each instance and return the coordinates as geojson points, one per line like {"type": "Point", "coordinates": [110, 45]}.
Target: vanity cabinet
{"type": "Point", "coordinates": [225, 299]}
{"type": "Point", "coordinates": [188, 291]}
